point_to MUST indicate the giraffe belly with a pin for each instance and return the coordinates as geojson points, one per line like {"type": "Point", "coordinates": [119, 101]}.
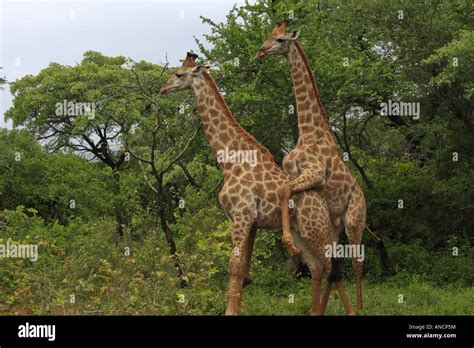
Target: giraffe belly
{"type": "Point", "coordinates": [337, 195]}
{"type": "Point", "coordinates": [337, 208]}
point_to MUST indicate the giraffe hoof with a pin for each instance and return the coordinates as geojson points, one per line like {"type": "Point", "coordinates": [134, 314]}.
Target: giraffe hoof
{"type": "Point", "coordinates": [352, 313]}
{"type": "Point", "coordinates": [293, 251]}
{"type": "Point", "coordinates": [231, 313]}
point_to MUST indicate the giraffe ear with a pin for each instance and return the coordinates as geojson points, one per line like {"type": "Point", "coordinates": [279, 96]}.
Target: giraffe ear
{"type": "Point", "coordinates": [199, 69]}
{"type": "Point", "coordinates": [295, 34]}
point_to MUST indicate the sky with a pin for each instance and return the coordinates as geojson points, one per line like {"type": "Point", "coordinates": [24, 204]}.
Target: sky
{"type": "Point", "coordinates": [35, 33]}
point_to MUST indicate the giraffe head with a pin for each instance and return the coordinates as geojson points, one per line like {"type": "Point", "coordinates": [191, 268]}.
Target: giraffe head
{"type": "Point", "coordinates": [184, 76]}
{"type": "Point", "coordinates": [279, 40]}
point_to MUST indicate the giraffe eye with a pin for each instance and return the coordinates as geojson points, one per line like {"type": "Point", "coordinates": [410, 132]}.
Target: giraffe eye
{"type": "Point", "coordinates": [179, 76]}
{"type": "Point", "coordinates": [280, 40]}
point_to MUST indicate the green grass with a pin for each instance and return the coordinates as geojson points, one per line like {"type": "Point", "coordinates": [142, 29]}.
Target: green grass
{"type": "Point", "coordinates": [379, 299]}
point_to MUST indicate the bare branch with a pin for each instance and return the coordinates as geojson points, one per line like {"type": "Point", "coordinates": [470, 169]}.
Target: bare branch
{"type": "Point", "coordinates": [146, 177]}
{"type": "Point", "coordinates": [140, 159]}
{"type": "Point", "coordinates": [183, 151]}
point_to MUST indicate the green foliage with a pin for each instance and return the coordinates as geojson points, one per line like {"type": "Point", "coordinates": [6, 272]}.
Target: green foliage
{"type": "Point", "coordinates": [459, 51]}
{"type": "Point", "coordinates": [82, 259]}
{"type": "Point", "coordinates": [435, 267]}
{"type": "Point", "coordinates": [48, 183]}
{"type": "Point", "coordinates": [432, 210]}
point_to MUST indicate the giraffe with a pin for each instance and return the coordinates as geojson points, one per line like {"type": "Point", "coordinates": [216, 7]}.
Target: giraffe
{"type": "Point", "coordinates": [250, 194]}
{"type": "Point", "coordinates": [314, 162]}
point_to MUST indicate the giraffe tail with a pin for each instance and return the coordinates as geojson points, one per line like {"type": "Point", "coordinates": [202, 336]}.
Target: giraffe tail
{"type": "Point", "coordinates": [336, 270]}
{"type": "Point", "coordinates": [385, 263]}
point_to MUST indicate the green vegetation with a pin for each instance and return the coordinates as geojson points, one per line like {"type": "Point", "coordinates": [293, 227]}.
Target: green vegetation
{"type": "Point", "coordinates": [123, 203]}
{"type": "Point", "coordinates": [83, 259]}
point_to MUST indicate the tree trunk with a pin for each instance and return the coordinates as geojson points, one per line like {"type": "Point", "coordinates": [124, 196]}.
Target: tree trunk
{"type": "Point", "coordinates": [168, 234]}
{"type": "Point", "coordinates": [118, 204]}
{"type": "Point", "coordinates": [361, 171]}
{"type": "Point", "coordinates": [345, 146]}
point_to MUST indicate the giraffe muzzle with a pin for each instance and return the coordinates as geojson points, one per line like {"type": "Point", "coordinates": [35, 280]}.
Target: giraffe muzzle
{"type": "Point", "coordinates": [261, 53]}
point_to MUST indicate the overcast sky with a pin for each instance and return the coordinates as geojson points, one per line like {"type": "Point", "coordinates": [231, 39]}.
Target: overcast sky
{"type": "Point", "coordinates": [35, 33]}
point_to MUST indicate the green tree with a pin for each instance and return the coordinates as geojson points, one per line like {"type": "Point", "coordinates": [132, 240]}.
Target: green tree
{"type": "Point", "coordinates": [49, 105]}
{"type": "Point", "coordinates": [59, 186]}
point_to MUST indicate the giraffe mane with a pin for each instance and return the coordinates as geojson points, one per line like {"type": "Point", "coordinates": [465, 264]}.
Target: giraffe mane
{"type": "Point", "coordinates": [313, 83]}
{"type": "Point", "coordinates": [240, 131]}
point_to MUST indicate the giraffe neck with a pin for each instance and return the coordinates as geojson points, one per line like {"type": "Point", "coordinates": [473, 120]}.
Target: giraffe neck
{"type": "Point", "coordinates": [222, 130]}
{"type": "Point", "coordinates": [311, 114]}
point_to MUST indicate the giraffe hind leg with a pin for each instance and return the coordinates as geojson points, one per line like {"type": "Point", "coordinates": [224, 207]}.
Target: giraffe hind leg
{"type": "Point", "coordinates": [345, 299]}
{"type": "Point", "coordinates": [354, 221]}
{"type": "Point", "coordinates": [336, 270]}
{"type": "Point", "coordinates": [248, 255]}
{"type": "Point", "coordinates": [237, 262]}
{"type": "Point", "coordinates": [316, 268]}
{"type": "Point", "coordinates": [325, 298]}
{"type": "Point", "coordinates": [314, 236]}
{"type": "Point", "coordinates": [316, 276]}
{"type": "Point", "coordinates": [333, 277]}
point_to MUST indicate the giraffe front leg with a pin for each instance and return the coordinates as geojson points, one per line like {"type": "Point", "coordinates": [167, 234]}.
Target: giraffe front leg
{"type": "Point", "coordinates": [309, 178]}
{"type": "Point", "coordinates": [284, 194]}
{"type": "Point", "coordinates": [237, 263]}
